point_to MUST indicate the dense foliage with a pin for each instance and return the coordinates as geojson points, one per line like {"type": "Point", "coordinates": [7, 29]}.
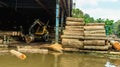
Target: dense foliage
{"type": "Point", "coordinates": [108, 23]}
{"type": "Point", "coordinates": [117, 28]}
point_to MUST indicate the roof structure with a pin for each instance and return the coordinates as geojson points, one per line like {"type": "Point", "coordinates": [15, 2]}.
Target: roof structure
{"type": "Point", "coordinates": [26, 11]}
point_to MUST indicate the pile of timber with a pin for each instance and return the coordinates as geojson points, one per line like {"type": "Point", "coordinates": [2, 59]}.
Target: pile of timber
{"type": "Point", "coordinates": [95, 37]}
{"type": "Point", "coordinates": [73, 34]}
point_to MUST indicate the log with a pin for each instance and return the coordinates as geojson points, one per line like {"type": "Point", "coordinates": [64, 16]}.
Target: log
{"type": "Point", "coordinates": [106, 47]}
{"type": "Point", "coordinates": [70, 23]}
{"type": "Point", "coordinates": [76, 27]}
{"type": "Point", "coordinates": [94, 42]}
{"type": "Point", "coordinates": [95, 32]}
{"type": "Point", "coordinates": [74, 19]}
{"type": "Point", "coordinates": [85, 51]}
{"type": "Point", "coordinates": [94, 28]}
{"type": "Point", "coordinates": [72, 37]}
{"type": "Point", "coordinates": [115, 53]}
{"type": "Point", "coordinates": [74, 43]}
{"type": "Point", "coordinates": [95, 24]}
{"type": "Point", "coordinates": [18, 54]}
{"type": "Point", "coordinates": [115, 44]}
{"type": "Point", "coordinates": [1, 41]}
{"type": "Point", "coordinates": [28, 50]}
{"type": "Point", "coordinates": [95, 35]}
{"type": "Point", "coordinates": [95, 38]}
{"type": "Point", "coordinates": [79, 33]}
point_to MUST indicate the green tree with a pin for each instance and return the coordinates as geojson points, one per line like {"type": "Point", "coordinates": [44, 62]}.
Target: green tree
{"type": "Point", "coordinates": [109, 26]}
{"type": "Point", "coordinates": [117, 28]}
{"type": "Point", "coordinates": [77, 13]}
{"type": "Point", "coordinates": [88, 19]}
{"type": "Point", "coordinates": [99, 20]}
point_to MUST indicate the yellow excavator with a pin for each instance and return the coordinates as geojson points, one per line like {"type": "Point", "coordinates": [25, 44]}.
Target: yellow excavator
{"type": "Point", "coordinates": [37, 30]}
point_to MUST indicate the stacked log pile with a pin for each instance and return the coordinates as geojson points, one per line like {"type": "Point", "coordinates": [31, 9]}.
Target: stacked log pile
{"type": "Point", "coordinates": [73, 34]}
{"type": "Point", "coordinates": [95, 37]}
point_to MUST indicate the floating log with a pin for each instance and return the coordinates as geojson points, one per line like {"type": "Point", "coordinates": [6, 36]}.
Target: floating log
{"type": "Point", "coordinates": [74, 43]}
{"type": "Point", "coordinates": [76, 27]}
{"type": "Point", "coordinates": [74, 19]}
{"type": "Point", "coordinates": [28, 50]}
{"type": "Point", "coordinates": [94, 42]}
{"type": "Point", "coordinates": [95, 35]}
{"type": "Point", "coordinates": [95, 38]}
{"type": "Point", "coordinates": [79, 33]}
{"type": "Point", "coordinates": [95, 32]}
{"type": "Point", "coordinates": [18, 54]}
{"type": "Point", "coordinates": [115, 53]}
{"type": "Point", "coordinates": [94, 28]}
{"type": "Point", "coordinates": [95, 24]}
{"type": "Point", "coordinates": [106, 47]}
{"type": "Point", "coordinates": [70, 23]}
{"type": "Point", "coordinates": [72, 37]}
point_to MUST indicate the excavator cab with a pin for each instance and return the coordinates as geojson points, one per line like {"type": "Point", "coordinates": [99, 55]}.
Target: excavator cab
{"type": "Point", "coordinates": [37, 30]}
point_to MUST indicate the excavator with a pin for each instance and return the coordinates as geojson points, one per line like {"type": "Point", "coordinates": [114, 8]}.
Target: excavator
{"type": "Point", "coordinates": [37, 30]}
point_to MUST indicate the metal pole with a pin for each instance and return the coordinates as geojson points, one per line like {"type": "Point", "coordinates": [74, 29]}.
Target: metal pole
{"type": "Point", "coordinates": [57, 22]}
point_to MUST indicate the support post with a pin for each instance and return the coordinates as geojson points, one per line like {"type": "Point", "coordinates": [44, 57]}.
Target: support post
{"type": "Point", "coordinates": [57, 22]}
{"type": "Point", "coordinates": [62, 18]}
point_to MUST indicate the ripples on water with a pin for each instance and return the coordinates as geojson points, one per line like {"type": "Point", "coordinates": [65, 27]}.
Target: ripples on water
{"type": "Point", "coordinates": [58, 60]}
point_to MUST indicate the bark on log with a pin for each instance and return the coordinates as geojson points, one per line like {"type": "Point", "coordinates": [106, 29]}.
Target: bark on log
{"type": "Point", "coordinates": [72, 37]}
{"type": "Point", "coordinates": [95, 35]}
{"type": "Point", "coordinates": [106, 47]}
{"type": "Point", "coordinates": [70, 23]}
{"type": "Point", "coordinates": [76, 27]}
{"type": "Point", "coordinates": [95, 32]}
{"type": "Point", "coordinates": [75, 19]}
{"type": "Point", "coordinates": [95, 38]}
{"type": "Point", "coordinates": [95, 24]}
{"type": "Point", "coordinates": [79, 33]}
{"type": "Point", "coordinates": [94, 28]}
{"type": "Point", "coordinates": [74, 43]}
{"type": "Point", "coordinates": [94, 42]}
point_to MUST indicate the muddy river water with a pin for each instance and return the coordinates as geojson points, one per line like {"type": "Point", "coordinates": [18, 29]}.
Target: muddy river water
{"type": "Point", "coordinates": [59, 60]}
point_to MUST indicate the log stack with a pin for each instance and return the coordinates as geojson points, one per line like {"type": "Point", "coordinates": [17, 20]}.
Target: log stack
{"type": "Point", "coordinates": [95, 37]}
{"type": "Point", "coordinates": [73, 34]}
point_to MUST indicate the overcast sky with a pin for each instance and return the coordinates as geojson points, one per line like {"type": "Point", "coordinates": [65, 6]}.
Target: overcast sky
{"type": "Point", "coordinates": [100, 8]}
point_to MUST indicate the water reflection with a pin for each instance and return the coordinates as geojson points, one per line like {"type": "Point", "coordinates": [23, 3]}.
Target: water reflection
{"type": "Point", "coordinates": [58, 60]}
{"type": "Point", "coordinates": [108, 64]}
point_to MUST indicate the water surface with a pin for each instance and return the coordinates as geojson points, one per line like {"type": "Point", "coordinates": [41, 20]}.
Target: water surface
{"type": "Point", "coordinates": [59, 60]}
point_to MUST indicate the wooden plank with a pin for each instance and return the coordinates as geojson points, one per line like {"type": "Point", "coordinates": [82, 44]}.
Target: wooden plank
{"type": "Point", "coordinates": [94, 28]}
{"type": "Point", "coordinates": [95, 24]}
{"type": "Point", "coordinates": [72, 37]}
{"type": "Point", "coordinates": [106, 47]}
{"type": "Point", "coordinates": [74, 19]}
{"type": "Point", "coordinates": [74, 43]}
{"type": "Point", "coordinates": [94, 42]}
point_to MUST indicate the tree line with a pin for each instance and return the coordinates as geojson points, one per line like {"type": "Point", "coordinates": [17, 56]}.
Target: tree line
{"type": "Point", "coordinates": [110, 26]}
